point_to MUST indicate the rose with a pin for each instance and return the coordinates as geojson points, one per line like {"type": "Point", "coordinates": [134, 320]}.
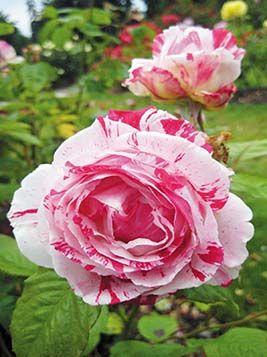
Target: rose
{"type": "Point", "coordinates": [233, 9]}
{"type": "Point", "coordinates": [7, 53]}
{"type": "Point", "coordinates": [189, 62]}
{"type": "Point", "coordinates": [133, 207]}
{"type": "Point", "coordinates": [127, 34]}
{"type": "Point", "coordinates": [170, 19]}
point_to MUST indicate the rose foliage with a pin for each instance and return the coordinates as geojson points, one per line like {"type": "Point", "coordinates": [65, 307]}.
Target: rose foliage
{"type": "Point", "coordinates": [189, 62]}
{"type": "Point", "coordinates": [134, 207]}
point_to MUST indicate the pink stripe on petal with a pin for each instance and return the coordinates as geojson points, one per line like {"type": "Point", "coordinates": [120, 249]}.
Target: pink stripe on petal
{"type": "Point", "coordinates": [129, 117]}
{"type": "Point", "coordinates": [198, 274]}
{"type": "Point", "coordinates": [23, 213]}
{"type": "Point", "coordinates": [214, 255]}
{"type": "Point", "coordinates": [160, 83]}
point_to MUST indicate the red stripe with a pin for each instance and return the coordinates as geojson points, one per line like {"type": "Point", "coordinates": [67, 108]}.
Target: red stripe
{"type": "Point", "coordinates": [23, 213]}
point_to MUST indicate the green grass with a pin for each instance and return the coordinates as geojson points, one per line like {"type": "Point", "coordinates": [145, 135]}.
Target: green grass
{"type": "Point", "coordinates": [245, 121]}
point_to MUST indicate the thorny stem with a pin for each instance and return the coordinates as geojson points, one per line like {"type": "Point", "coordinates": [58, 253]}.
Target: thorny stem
{"type": "Point", "coordinates": [250, 317]}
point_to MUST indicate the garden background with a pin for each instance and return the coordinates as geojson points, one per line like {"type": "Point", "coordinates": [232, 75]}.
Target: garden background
{"type": "Point", "coordinates": [60, 79]}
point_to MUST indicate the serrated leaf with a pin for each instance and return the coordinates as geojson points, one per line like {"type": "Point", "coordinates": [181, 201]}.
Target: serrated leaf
{"type": "Point", "coordinates": [139, 348]}
{"type": "Point", "coordinates": [209, 294]}
{"type": "Point", "coordinates": [49, 320]}
{"type": "Point", "coordinates": [12, 261]}
{"type": "Point", "coordinates": [157, 328]}
{"type": "Point", "coordinates": [238, 342]}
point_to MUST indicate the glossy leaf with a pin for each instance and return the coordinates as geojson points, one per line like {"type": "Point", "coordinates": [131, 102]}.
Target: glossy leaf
{"type": "Point", "coordinates": [157, 328]}
{"type": "Point", "coordinates": [49, 320]}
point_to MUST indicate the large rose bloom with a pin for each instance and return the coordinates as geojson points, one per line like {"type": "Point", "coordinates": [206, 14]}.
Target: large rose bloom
{"type": "Point", "coordinates": [133, 207]}
{"type": "Point", "coordinates": [189, 62]}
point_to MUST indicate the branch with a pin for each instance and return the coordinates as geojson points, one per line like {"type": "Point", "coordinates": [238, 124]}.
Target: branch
{"type": "Point", "coordinates": [250, 317]}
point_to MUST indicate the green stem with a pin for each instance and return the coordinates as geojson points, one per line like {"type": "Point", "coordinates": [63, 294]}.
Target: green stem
{"type": "Point", "coordinates": [250, 317]}
{"type": "Point", "coordinates": [130, 323]}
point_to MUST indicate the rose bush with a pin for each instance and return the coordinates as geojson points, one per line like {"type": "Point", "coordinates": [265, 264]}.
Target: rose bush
{"type": "Point", "coordinates": [189, 62]}
{"type": "Point", "coordinates": [133, 207]}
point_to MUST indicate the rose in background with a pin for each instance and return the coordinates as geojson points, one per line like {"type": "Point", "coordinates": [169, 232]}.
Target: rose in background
{"type": "Point", "coordinates": [135, 39]}
{"type": "Point", "coordinates": [133, 207]}
{"type": "Point", "coordinates": [7, 53]}
{"type": "Point", "coordinates": [189, 62]}
{"type": "Point", "coordinates": [233, 9]}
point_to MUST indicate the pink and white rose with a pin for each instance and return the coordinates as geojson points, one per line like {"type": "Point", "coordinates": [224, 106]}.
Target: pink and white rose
{"type": "Point", "coordinates": [192, 62]}
{"type": "Point", "coordinates": [7, 53]}
{"type": "Point", "coordinates": [133, 207]}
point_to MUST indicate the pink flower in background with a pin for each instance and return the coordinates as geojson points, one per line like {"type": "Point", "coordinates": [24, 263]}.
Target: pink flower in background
{"type": "Point", "coordinates": [170, 19]}
{"type": "Point", "coordinates": [189, 62]}
{"type": "Point", "coordinates": [7, 53]}
{"type": "Point", "coordinates": [126, 37]}
{"type": "Point", "coordinates": [133, 208]}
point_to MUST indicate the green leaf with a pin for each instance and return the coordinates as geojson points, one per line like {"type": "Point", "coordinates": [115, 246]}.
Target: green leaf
{"type": "Point", "coordinates": [99, 17]}
{"type": "Point", "coordinates": [157, 328]}
{"type": "Point", "coordinates": [12, 261]}
{"type": "Point", "coordinates": [139, 348]}
{"type": "Point", "coordinates": [6, 191]}
{"type": "Point", "coordinates": [49, 320]}
{"type": "Point", "coordinates": [49, 12]}
{"type": "Point", "coordinates": [47, 30]}
{"type": "Point", "coordinates": [25, 137]}
{"type": "Point", "coordinates": [94, 336]}
{"type": "Point", "coordinates": [36, 76]}
{"type": "Point", "coordinates": [238, 342]}
{"type": "Point", "coordinates": [248, 150]}
{"type": "Point", "coordinates": [255, 186]}
{"type": "Point", "coordinates": [61, 35]}
{"type": "Point", "coordinates": [91, 30]}
{"type": "Point", "coordinates": [6, 29]}
{"type": "Point", "coordinates": [209, 294]}
{"type": "Point", "coordinates": [7, 305]}
{"type": "Point", "coordinates": [114, 325]}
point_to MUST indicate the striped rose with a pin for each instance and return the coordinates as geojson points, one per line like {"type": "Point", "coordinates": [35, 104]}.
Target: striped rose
{"type": "Point", "coordinates": [133, 207]}
{"type": "Point", "coordinates": [189, 62]}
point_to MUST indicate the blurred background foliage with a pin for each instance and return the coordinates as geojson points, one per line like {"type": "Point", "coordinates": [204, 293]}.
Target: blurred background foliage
{"type": "Point", "coordinates": [71, 71]}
